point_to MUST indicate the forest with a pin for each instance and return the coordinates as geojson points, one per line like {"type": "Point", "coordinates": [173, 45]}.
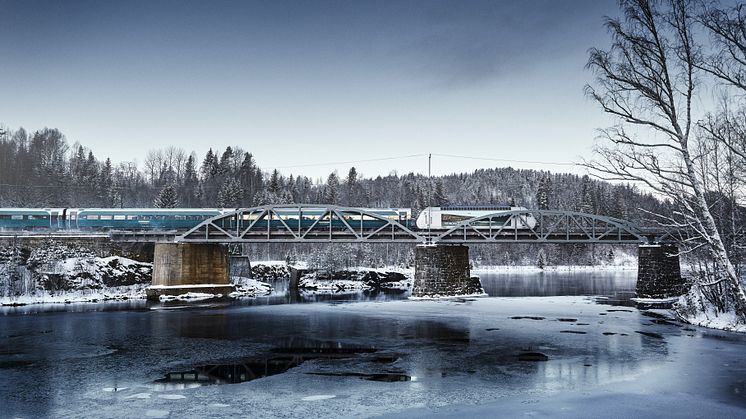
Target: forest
{"type": "Point", "coordinates": [42, 169]}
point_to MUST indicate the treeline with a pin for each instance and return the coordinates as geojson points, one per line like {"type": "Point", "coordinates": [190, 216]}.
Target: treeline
{"type": "Point", "coordinates": [41, 169]}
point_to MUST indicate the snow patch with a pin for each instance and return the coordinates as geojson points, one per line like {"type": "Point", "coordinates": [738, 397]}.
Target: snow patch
{"type": "Point", "coordinates": [318, 397]}
{"type": "Point", "coordinates": [696, 309]}
{"type": "Point", "coordinates": [247, 287]}
{"type": "Point", "coordinates": [189, 296]}
{"type": "Point", "coordinates": [438, 297]}
{"type": "Point", "coordinates": [172, 396]}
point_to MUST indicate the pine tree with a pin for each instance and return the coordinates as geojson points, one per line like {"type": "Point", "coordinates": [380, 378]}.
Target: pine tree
{"type": "Point", "coordinates": [166, 198]}
{"type": "Point", "coordinates": [247, 176]}
{"type": "Point", "coordinates": [209, 167]}
{"type": "Point", "coordinates": [352, 187]}
{"type": "Point", "coordinates": [542, 193]}
{"type": "Point", "coordinates": [541, 260]}
{"type": "Point", "coordinates": [439, 198]}
{"type": "Point", "coordinates": [230, 194]}
{"type": "Point", "coordinates": [191, 182]}
{"type": "Point", "coordinates": [275, 182]}
{"type": "Point", "coordinates": [331, 192]}
{"type": "Point", "coordinates": [106, 192]}
{"type": "Point", "coordinates": [224, 167]}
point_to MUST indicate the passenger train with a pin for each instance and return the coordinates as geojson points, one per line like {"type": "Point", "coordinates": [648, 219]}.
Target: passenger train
{"type": "Point", "coordinates": [441, 218]}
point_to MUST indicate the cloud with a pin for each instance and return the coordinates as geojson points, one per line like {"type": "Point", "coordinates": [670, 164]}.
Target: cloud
{"type": "Point", "coordinates": [466, 46]}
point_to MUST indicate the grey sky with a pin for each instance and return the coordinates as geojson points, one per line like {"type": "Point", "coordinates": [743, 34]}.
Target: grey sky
{"type": "Point", "coordinates": [307, 82]}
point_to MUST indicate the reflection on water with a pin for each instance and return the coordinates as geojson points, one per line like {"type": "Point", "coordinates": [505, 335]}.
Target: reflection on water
{"type": "Point", "coordinates": [549, 284]}
{"type": "Point", "coordinates": [615, 287]}
{"type": "Point", "coordinates": [460, 351]}
{"type": "Point", "coordinates": [277, 361]}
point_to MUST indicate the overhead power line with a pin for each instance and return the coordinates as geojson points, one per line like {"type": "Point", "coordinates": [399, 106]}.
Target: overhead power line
{"type": "Point", "coordinates": [409, 156]}
{"type": "Point", "coordinates": [506, 160]}
{"type": "Point", "coordinates": [351, 161]}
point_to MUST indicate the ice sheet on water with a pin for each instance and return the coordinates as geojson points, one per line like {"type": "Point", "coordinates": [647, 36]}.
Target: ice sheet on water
{"type": "Point", "coordinates": [318, 397]}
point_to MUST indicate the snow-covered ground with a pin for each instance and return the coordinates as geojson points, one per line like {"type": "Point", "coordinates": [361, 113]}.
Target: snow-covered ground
{"type": "Point", "coordinates": [359, 278]}
{"type": "Point", "coordinates": [132, 292]}
{"type": "Point", "coordinates": [247, 287]}
{"type": "Point", "coordinates": [82, 279]}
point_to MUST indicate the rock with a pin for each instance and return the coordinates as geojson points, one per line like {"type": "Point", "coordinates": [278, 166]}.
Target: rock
{"type": "Point", "coordinates": [533, 357]}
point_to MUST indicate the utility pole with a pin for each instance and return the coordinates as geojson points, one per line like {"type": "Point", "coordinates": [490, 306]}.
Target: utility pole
{"type": "Point", "coordinates": [429, 194]}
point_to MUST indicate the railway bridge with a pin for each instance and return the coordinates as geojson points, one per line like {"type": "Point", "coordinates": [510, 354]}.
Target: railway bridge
{"type": "Point", "coordinates": [197, 258]}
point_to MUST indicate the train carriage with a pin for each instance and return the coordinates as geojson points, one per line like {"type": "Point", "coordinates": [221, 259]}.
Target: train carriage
{"type": "Point", "coordinates": [25, 218]}
{"type": "Point", "coordinates": [142, 218]}
{"type": "Point", "coordinates": [304, 218]}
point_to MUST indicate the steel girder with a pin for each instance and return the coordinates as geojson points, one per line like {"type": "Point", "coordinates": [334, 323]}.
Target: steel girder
{"type": "Point", "coordinates": [550, 227]}
{"type": "Point", "coordinates": [347, 225]}
{"type": "Point", "coordinates": [329, 223]}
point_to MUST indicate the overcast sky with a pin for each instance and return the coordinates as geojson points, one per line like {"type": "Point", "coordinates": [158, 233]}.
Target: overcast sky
{"type": "Point", "coordinates": [307, 82]}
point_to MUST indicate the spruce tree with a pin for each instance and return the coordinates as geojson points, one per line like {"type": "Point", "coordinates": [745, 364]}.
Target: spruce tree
{"type": "Point", "coordinates": [439, 198]}
{"type": "Point", "coordinates": [166, 198]}
{"type": "Point", "coordinates": [331, 192]}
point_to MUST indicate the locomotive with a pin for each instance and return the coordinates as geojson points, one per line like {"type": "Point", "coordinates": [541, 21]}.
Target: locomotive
{"type": "Point", "coordinates": [443, 218]}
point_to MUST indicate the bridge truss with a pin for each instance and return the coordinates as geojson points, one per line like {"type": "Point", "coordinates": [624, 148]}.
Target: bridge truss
{"type": "Point", "coordinates": [308, 224]}
{"type": "Point", "coordinates": [327, 223]}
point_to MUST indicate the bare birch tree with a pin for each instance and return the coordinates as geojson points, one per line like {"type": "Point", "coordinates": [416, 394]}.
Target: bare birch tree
{"type": "Point", "coordinates": [650, 80]}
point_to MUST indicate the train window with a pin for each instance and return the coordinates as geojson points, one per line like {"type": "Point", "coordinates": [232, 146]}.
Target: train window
{"type": "Point", "coordinates": [132, 217]}
{"type": "Point", "coordinates": [16, 217]}
{"type": "Point", "coordinates": [180, 217]}
{"type": "Point", "coordinates": [91, 217]}
{"type": "Point", "coordinates": [120, 217]}
{"type": "Point", "coordinates": [106, 217]}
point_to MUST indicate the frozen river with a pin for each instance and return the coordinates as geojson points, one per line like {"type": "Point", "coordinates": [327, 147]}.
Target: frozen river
{"type": "Point", "coordinates": [559, 345]}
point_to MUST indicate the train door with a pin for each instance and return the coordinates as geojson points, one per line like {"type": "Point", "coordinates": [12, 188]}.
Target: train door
{"type": "Point", "coordinates": [72, 219]}
{"type": "Point", "coordinates": [54, 221]}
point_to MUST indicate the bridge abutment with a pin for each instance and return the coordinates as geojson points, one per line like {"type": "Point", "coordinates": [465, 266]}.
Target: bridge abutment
{"type": "Point", "coordinates": [186, 267]}
{"type": "Point", "coordinates": [443, 270]}
{"type": "Point", "coordinates": [659, 272]}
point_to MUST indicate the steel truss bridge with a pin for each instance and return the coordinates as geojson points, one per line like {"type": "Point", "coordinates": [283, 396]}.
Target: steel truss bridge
{"type": "Point", "coordinates": [335, 224]}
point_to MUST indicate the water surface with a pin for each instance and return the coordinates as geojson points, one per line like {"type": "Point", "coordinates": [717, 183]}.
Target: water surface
{"type": "Point", "coordinates": [541, 343]}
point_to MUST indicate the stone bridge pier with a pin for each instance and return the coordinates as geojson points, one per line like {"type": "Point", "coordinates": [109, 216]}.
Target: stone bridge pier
{"type": "Point", "coordinates": [443, 270]}
{"type": "Point", "coordinates": [659, 272]}
{"type": "Point", "coordinates": [179, 268]}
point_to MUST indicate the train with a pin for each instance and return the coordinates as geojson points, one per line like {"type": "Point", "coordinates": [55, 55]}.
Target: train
{"type": "Point", "coordinates": [443, 218]}
{"type": "Point", "coordinates": [103, 219]}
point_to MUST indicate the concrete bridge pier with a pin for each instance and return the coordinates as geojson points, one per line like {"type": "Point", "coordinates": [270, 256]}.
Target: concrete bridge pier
{"type": "Point", "coordinates": [443, 270]}
{"type": "Point", "coordinates": [659, 272]}
{"type": "Point", "coordinates": [179, 268]}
